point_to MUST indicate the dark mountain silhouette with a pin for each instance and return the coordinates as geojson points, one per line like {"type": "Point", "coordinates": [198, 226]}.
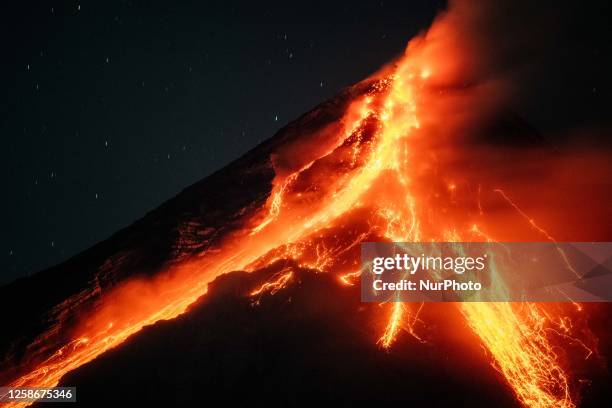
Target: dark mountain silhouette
{"type": "Point", "coordinates": [190, 223]}
{"type": "Point", "coordinates": [306, 344]}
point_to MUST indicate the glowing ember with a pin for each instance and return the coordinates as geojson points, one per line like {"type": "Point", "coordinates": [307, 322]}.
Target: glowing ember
{"type": "Point", "coordinates": [517, 340]}
{"type": "Point", "coordinates": [274, 285]}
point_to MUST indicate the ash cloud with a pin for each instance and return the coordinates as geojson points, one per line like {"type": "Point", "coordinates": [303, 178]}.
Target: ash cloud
{"type": "Point", "coordinates": [543, 65]}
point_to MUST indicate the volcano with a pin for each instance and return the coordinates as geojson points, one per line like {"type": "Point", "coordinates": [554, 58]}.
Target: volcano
{"type": "Point", "coordinates": [244, 287]}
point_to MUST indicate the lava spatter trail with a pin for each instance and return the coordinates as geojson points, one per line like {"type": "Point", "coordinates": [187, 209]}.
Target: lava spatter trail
{"type": "Point", "coordinates": [377, 176]}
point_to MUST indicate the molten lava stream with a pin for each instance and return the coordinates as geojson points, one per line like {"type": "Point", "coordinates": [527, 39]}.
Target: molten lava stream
{"type": "Point", "coordinates": [138, 303]}
{"type": "Point", "coordinates": [372, 167]}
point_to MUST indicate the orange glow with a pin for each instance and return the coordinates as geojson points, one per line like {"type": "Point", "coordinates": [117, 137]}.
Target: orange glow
{"type": "Point", "coordinates": [394, 325]}
{"type": "Point", "coordinates": [516, 336]}
{"type": "Point", "coordinates": [386, 172]}
{"type": "Point", "coordinates": [274, 285]}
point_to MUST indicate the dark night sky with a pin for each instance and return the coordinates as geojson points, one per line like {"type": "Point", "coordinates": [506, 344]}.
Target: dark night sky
{"type": "Point", "coordinates": [110, 108]}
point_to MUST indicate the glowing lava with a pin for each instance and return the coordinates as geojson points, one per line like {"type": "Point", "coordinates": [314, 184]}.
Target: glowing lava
{"type": "Point", "coordinates": [379, 176]}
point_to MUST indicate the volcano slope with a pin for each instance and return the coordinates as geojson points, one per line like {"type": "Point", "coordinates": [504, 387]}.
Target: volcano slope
{"type": "Point", "coordinates": [289, 330]}
{"type": "Point", "coordinates": [305, 344]}
{"type": "Point", "coordinates": [193, 222]}
{"type": "Point", "coordinates": [411, 154]}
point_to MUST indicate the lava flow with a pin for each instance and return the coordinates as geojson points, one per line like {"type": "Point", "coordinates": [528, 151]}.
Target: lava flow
{"type": "Point", "coordinates": [392, 169]}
